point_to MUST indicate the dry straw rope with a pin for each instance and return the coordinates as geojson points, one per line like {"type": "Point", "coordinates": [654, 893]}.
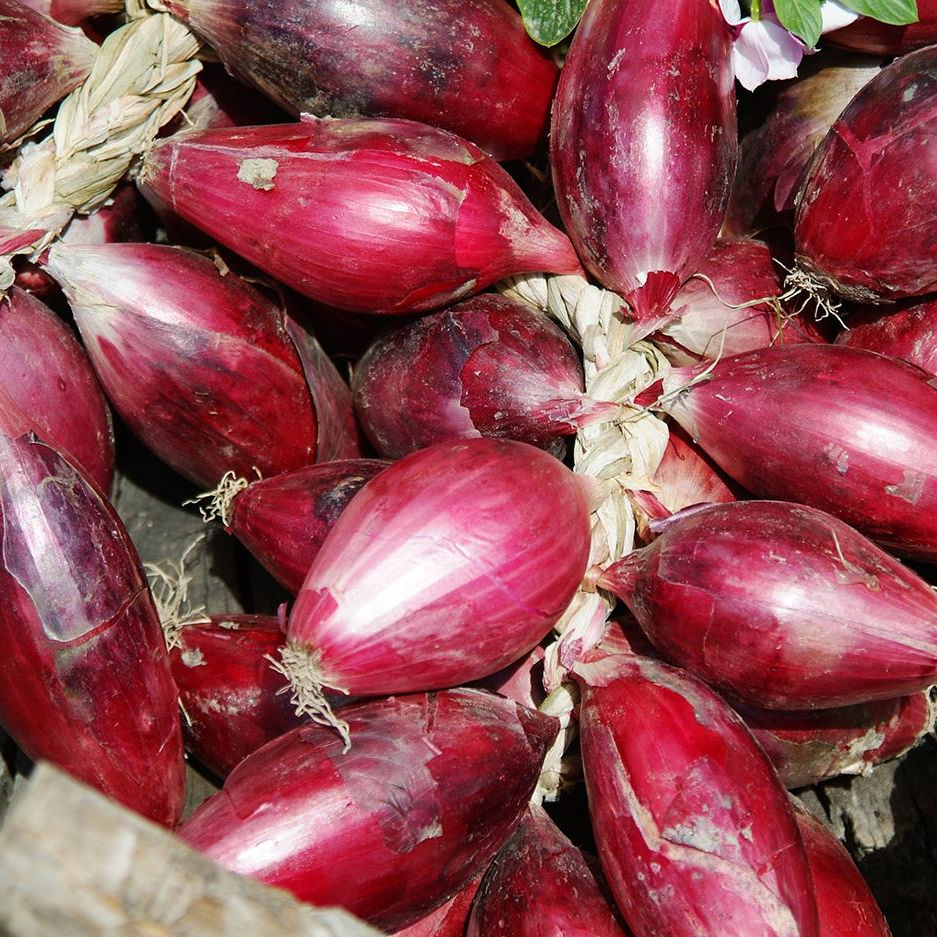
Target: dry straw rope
{"type": "Point", "coordinates": [142, 77]}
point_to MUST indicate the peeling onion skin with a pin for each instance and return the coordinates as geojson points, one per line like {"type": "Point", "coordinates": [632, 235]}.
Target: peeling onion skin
{"type": "Point", "coordinates": [842, 429]}
{"type": "Point", "coordinates": [465, 67]}
{"type": "Point", "coordinates": [447, 566]}
{"type": "Point", "coordinates": [539, 883]}
{"type": "Point", "coordinates": [84, 674]}
{"type": "Point", "coordinates": [865, 224]}
{"type": "Point", "coordinates": [448, 920]}
{"type": "Point", "coordinates": [490, 366]}
{"type": "Point", "coordinates": [47, 375]}
{"type": "Point", "coordinates": [869, 35]}
{"type": "Point", "coordinates": [431, 787]}
{"type": "Point", "coordinates": [694, 831]}
{"type": "Point", "coordinates": [284, 520]}
{"type": "Point", "coordinates": [781, 606]}
{"type": "Point", "coordinates": [377, 216]}
{"type": "Point", "coordinates": [643, 143]}
{"type": "Point", "coordinates": [846, 906]}
{"type": "Point", "coordinates": [199, 365]}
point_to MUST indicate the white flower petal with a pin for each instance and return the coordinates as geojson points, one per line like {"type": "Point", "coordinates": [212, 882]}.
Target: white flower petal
{"type": "Point", "coordinates": [749, 59]}
{"type": "Point", "coordinates": [835, 15]}
{"type": "Point", "coordinates": [732, 12]}
{"type": "Point", "coordinates": [782, 50]}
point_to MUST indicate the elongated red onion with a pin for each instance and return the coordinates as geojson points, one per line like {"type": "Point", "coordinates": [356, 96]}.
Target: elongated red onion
{"type": "Point", "coordinates": [444, 568]}
{"type": "Point", "coordinates": [809, 747]}
{"type": "Point", "coordinates": [643, 144]}
{"type": "Point", "coordinates": [430, 790]}
{"type": "Point", "coordinates": [716, 309]}
{"type": "Point", "coordinates": [469, 68]}
{"type": "Point", "coordinates": [47, 375]}
{"type": "Point", "coordinates": [284, 520]}
{"type": "Point", "coordinates": [870, 35]}
{"type": "Point", "coordinates": [540, 883]}
{"type": "Point", "coordinates": [909, 333]}
{"type": "Point", "coordinates": [42, 61]}
{"type": "Point", "coordinates": [693, 829]}
{"type": "Point", "coordinates": [198, 363]}
{"type": "Point", "coordinates": [782, 606]}
{"type": "Point", "coordinates": [74, 12]}
{"type": "Point", "coordinates": [448, 920]}
{"type": "Point", "coordinates": [490, 366]}
{"type": "Point", "coordinates": [846, 906]}
{"type": "Point", "coordinates": [866, 223]}
{"type": "Point", "coordinates": [842, 429]}
{"type": "Point", "coordinates": [364, 215]}
{"type": "Point", "coordinates": [84, 673]}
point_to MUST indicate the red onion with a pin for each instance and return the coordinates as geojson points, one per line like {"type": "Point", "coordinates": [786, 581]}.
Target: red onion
{"type": "Point", "coordinates": [643, 143]}
{"type": "Point", "coordinates": [448, 920]}
{"type": "Point", "coordinates": [694, 831]}
{"type": "Point", "coordinates": [284, 520]}
{"type": "Point", "coordinates": [390, 830]}
{"type": "Point", "coordinates": [46, 374]}
{"type": "Point", "coordinates": [490, 366]}
{"type": "Point", "coordinates": [781, 606]}
{"type": "Point", "coordinates": [809, 747]}
{"type": "Point", "coordinates": [364, 215]}
{"type": "Point", "coordinates": [846, 906]}
{"type": "Point", "coordinates": [198, 363]}
{"type": "Point", "coordinates": [866, 225]}
{"type": "Point", "coordinates": [540, 883]}
{"type": "Point", "coordinates": [839, 428]}
{"type": "Point", "coordinates": [84, 673]}
{"type": "Point", "coordinates": [909, 333]}
{"type": "Point", "coordinates": [75, 12]}
{"type": "Point", "coordinates": [469, 68]}
{"type": "Point", "coordinates": [870, 35]}
{"type": "Point", "coordinates": [718, 310]}
{"type": "Point", "coordinates": [42, 62]}
{"type": "Point", "coordinates": [445, 567]}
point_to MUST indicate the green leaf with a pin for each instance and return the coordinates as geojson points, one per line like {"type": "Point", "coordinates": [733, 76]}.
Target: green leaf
{"type": "Point", "coordinates": [549, 21]}
{"type": "Point", "coordinates": [801, 17]}
{"type": "Point", "coordinates": [896, 12]}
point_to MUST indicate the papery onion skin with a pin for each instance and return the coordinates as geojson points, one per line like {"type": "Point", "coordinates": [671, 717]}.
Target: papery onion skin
{"type": "Point", "coordinates": [842, 429]}
{"type": "Point", "coordinates": [431, 787]}
{"type": "Point", "coordinates": [643, 143]}
{"type": "Point", "coordinates": [846, 906]}
{"type": "Point", "coordinates": [540, 883]}
{"type": "Point", "coordinates": [490, 366]}
{"type": "Point", "coordinates": [198, 364]}
{"type": "Point", "coordinates": [444, 568]}
{"type": "Point", "coordinates": [42, 61]}
{"type": "Point", "coordinates": [84, 673]}
{"type": "Point", "coordinates": [378, 216]}
{"type": "Point", "coordinates": [869, 35]}
{"type": "Point", "coordinates": [782, 606]}
{"type": "Point", "coordinates": [693, 829]}
{"type": "Point", "coordinates": [468, 68]}
{"type": "Point", "coordinates": [866, 226]}
{"type": "Point", "coordinates": [284, 520]}
{"type": "Point", "coordinates": [448, 920]}
{"type": "Point", "coordinates": [48, 376]}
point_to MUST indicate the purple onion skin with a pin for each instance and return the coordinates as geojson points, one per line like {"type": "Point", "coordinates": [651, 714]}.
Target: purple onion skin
{"type": "Point", "coordinates": [84, 673]}
{"type": "Point", "coordinates": [842, 429]}
{"type": "Point", "coordinates": [198, 364]}
{"type": "Point", "coordinates": [378, 216]}
{"type": "Point", "coordinates": [693, 829]}
{"type": "Point", "coordinates": [909, 333]}
{"type": "Point", "coordinates": [468, 68]}
{"type": "Point", "coordinates": [869, 35]}
{"type": "Point", "coordinates": [48, 376]}
{"type": "Point", "coordinates": [284, 520]}
{"type": "Point", "coordinates": [540, 883]}
{"type": "Point", "coordinates": [810, 747]}
{"type": "Point", "coordinates": [845, 904]}
{"type": "Point", "coordinates": [490, 366]}
{"type": "Point", "coordinates": [431, 787]}
{"type": "Point", "coordinates": [448, 920]}
{"type": "Point", "coordinates": [444, 568]}
{"type": "Point", "coordinates": [42, 62]}
{"type": "Point", "coordinates": [865, 224]}
{"type": "Point", "coordinates": [781, 606]}
{"type": "Point", "coordinates": [643, 143]}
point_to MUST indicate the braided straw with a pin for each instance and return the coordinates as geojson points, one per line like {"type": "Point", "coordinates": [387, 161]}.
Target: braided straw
{"type": "Point", "coordinates": [142, 77]}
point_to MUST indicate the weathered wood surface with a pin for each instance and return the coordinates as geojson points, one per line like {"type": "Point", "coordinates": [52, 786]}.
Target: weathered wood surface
{"type": "Point", "coordinates": [73, 863]}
